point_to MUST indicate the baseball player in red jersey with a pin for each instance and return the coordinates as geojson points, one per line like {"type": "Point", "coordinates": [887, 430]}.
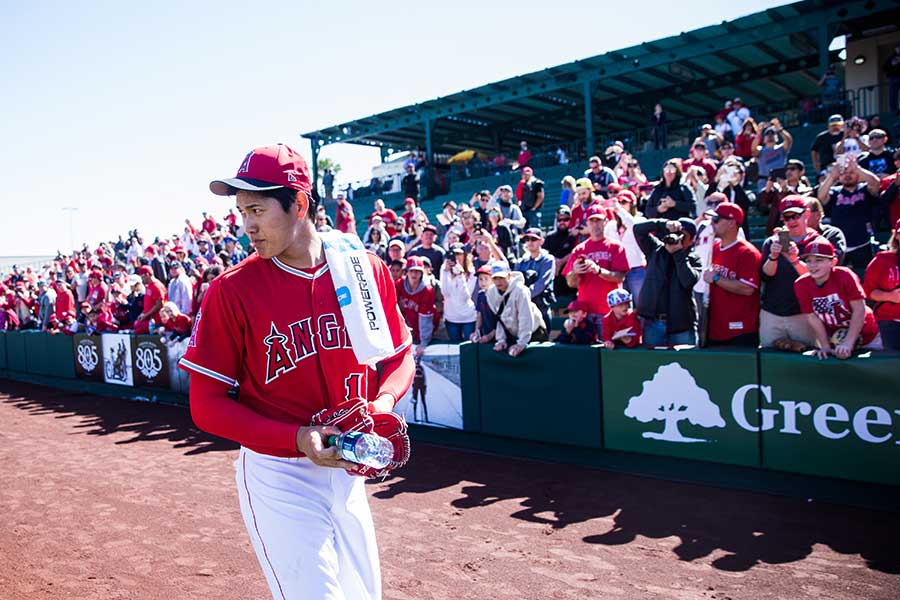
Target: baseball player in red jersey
{"type": "Point", "coordinates": [268, 354]}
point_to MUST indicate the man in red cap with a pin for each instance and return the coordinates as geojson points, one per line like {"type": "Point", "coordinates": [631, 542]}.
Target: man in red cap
{"type": "Point", "coordinates": [154, 297]}
{"type": "Point", "coordinates": [271, 356]}
{"type": "Point", "coordinates": [97, 290]}
{"type": "Point", "coordinates": [733, 277]}
{"type": "Point", "coordinates": [417, 303]}
{"type": "Point", "coordinates": [834, 302]}
{"type": "Point", "coordinates": [344, 220]}
{"type": "Point", "coordinates": [596, 266]}
{"type": "Point", "coordinates": [781, 325]}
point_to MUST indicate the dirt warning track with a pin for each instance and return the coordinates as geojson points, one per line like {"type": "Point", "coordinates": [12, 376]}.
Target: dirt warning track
{"type": "Point", "coordinates": [111, 499]}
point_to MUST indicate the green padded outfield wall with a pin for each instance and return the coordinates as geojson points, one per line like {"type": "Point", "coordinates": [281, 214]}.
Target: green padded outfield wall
{"type": "Point", "coordinates": [548, 393]}
{"type": "Point", "coordinates": [59, 354]}
{"type": "Point", "coordinates": [839, 418]}
{"type": "Point", "coordinates": [15, 352]}
{"type": "Point", "coordinates": [468, 376]}
{"type": "Point", "coordinates": [2, 350]}
{"type": "Point", "coordinates": [680, 403]}
{"type": "Point", "coordinates": [36, 359]}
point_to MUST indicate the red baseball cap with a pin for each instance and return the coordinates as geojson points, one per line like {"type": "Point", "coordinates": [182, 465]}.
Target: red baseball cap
{"type": "Point", "coordinates": [534, 233]}
{"type": "Point", "coordinates": [145, 270]}
{"type": "Point", "coordinates": [578, 305]}
{"type": "Point", "coordinates": [483, 270]}
{"type": "Point", "coordinates": [819, 247]}
{"type": "Point", "coordinates": [596, 211]}
{"type": "Point", "coordinates": [730, 210]}
{"type": "Point", "coordinates": [414, 262]}
{"type": "Point", "coordinates": [265, 169]}
{"type": "Point", "coordinates": [793, 203]}
{"type": "Point", "coordinates": [628, 195]}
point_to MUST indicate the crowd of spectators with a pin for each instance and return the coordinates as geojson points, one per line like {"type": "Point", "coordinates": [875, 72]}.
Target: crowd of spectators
{"type": "Point", "coordinates": [657, 262]}
{"type": "Point", "coordinates": [667, 261]}
{"type": "Point", "coordinates": [128, 285]}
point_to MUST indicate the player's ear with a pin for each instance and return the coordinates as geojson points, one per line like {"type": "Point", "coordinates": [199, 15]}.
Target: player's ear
{"type": "Point", "coordinates": [302, 205]}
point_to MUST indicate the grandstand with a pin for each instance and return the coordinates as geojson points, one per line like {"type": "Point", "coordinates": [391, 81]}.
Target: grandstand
{"type": "Point", "coordinates": [772, 59]}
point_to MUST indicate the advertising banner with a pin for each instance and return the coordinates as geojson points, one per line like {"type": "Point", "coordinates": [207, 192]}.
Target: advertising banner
{"type": "Point", "coordinates": [117, 358]}
{"type": "Point", "coordinates": [88, 357]}
{"type": "Point", "coordinates": [837, 418]}
{"type": "Point", "coordinates": [435, 397]}
{"type": "Point", "coordinates": [692, 404]}
{"type": "Point", "coordinates": [151, 362]}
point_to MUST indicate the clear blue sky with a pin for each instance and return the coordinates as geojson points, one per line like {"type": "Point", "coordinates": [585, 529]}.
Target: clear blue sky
{"type": "Point", "coordinates": [127, 110]}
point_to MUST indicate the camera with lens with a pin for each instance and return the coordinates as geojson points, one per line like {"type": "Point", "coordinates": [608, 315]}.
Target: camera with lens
{"type": "Point", "coordinates": [673, 238]}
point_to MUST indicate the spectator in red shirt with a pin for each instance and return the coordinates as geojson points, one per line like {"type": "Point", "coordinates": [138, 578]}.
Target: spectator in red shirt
{"type": "Point", "coordinates": [154, 297]}
{"type": "Point", "coordinates": [882, 286]}
{"type": "Point", "coordinates": [596, 266]}
{"type": "Point", "coordinates": [417, 303]}
{"type": "Point", "coordinates": [174, 322]}
{"type": "Point", "coordinates": [835, 304]}
{"type": "Point", "coordinates": [344, 219]}
{"type": "Point", "coordinates": [65, 301]}
{"type": "Point", "coordinates": [412, 213]}
{"type": "Point", "coordinates": [100, 322]}
{"type": "Point", "coordinates": [621, 327]}
{"type": "Point", "coordinates": [209, 223]}
{"type": "Point", "coordinates": [388, 217]}
{"type": "Point", "coordinates": [700, 158]}
{"type": "Point", "coordinates": [733, 276]}
{"type": "Point", "coordinates": [743, 143]}
{"type": "Point", "coordinates": [231, 221]}
{"type": "Point", "coordinates": [524, 154]}
{"type": "Point", "coordinates": [97, 290]}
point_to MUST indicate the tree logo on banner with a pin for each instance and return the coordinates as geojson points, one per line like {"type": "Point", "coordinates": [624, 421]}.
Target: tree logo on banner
{"type": "Point", "coordinates": [672, 396]}
{"type": "Point", "coordinates": [147, 360]}
{"type": "Point", "coordinates": [86, 355]}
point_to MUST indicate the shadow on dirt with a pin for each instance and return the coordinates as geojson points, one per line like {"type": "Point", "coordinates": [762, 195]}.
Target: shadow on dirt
{"type": "Point", "coordinates": [751, 528]}
{"type": "Point", "coordinates": [100, 415]}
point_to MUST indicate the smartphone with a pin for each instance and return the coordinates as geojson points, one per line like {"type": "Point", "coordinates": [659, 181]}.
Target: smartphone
{"type": "Point", "coordinates": [777, 174]}
{"type": "Point", "coordinates": [784, 238]}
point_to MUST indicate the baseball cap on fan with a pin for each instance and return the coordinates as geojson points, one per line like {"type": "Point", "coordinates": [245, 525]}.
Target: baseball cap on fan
{"type": "Point", "coordinates": [265, 169]}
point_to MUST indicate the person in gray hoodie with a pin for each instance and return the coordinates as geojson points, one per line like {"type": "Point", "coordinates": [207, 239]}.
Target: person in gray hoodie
{"type": "Point", "coordinates": [518, 317]}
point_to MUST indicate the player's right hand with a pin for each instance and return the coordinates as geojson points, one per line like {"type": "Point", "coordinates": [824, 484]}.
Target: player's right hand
{"type": "Point", "coordinates": [311, 441]}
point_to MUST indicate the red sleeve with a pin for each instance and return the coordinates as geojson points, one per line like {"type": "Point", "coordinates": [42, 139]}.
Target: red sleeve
{"type": "Point", "coordinates": [802, 292]}
{"type": "Point", "coordinates": [216, 346]}
{"type": "Point", "coordinates": [850, 286]}
{"type": "Point", "coordinates": [609, 325]}
{"type": "Point", "coordinates": [873, 276]}
{"type": "Point", "coordinates": [748, 266]}
{"type": "Point", "coordinates": [578, 251]}
{"type": "Point", "coordinates": [213, 411]}
{"type": "Point", "coordinates": [619, 259]}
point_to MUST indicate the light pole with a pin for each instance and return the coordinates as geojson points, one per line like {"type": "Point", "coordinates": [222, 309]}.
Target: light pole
{"type": "Point", "coordinates": [71, 210]}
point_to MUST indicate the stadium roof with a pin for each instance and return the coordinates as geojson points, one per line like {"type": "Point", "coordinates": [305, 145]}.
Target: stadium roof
{"type": "Point", "coordinates": [776, 54]}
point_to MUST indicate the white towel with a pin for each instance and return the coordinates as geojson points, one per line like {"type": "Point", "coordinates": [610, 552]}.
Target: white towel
{"type": "Point", "coordinates": [358, 296]}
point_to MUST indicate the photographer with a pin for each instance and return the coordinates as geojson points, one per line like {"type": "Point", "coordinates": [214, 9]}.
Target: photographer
{"type": "Point", "coordinates": [458, 279]}
{"type": "Point", "coordinates": [771, 155]}
{"type": "Point", "coordinates": [729, 182]}
{"type": "Point", "coordinates": [852, 202]}
{"type": "Point", "coordinates": [780, 184]}
{"type": "Point", "coordinates": [670, 199]}
{"type": "Point", "coordinates": [781, 325]}
{"type": "Point", "coordinates": [666, 300]}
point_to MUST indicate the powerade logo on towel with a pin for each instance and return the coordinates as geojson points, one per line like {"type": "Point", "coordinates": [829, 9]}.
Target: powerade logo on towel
{"type": "Point", "coordinates": [345, 244]}
{"type": "Point", "coordinates": [343, 296]}
{"type": "Point", "coordinates": [363, 284]}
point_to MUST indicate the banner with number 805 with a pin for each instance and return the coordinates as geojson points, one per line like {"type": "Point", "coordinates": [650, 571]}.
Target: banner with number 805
{"type": "Point", "coordinates": [151, 362]}
{"type": "Point", "coordinates": [88, 357]}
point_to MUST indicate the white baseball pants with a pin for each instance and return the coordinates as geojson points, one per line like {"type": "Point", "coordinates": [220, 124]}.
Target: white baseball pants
{"type": "Point", "coordinates": [311, 528]}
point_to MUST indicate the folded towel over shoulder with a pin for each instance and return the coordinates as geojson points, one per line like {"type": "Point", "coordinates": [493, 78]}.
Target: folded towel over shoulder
{"type": "Point", "coordinates": [358, 296]}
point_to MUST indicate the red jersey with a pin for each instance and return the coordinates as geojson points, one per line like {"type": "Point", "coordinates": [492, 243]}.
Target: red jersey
{"type": "Point", "coordinates": [413, 304]}
{"type": "Point", "coordinates": [389, 217]}
{"type": "Point", "coordinates": [344, 220]}
{"type": "Point", "coordinates": [611, 325]}
{"type": "Point", "coordinates": [883, 273]}
{"type": "Point", "coordinates": [592, 288]}
{"type": "Point", "coordinates": [831, 301]}
{"type": "Point", "coordinates": [65, 303]}
{"type": "Point", "coordinates": [277, 333]}
{"type": "Point", "coordinates": [97, 295]}
{"type": "Point", "coordinates": [731, 315]}
{"type": "Point", "coordinates": [180, 324]}
{"type": "Point", "coordinates": [155, 291]}
{"type": "Point", "coordinates": [105, 324]}
{"type": "Point", "coordinates": [209, 225]}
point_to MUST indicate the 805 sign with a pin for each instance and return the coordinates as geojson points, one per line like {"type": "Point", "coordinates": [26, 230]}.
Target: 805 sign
{"type": "Point", "coordinates": [87, 356]}
{"type": "Point", "coordinates": [148, 360]}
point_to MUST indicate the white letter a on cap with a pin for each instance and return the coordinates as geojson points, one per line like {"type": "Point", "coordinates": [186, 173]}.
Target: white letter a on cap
{"type": "Point", "coordinates": [245, 166]}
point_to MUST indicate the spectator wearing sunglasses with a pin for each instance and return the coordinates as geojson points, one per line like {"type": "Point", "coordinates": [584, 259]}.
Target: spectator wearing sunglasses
{"type": "Point", "coordinates": [560, 244]}
{"type": "Point", "coordinates": [781, 324]}
{"type": "Point", "coordinates": [778, 188]}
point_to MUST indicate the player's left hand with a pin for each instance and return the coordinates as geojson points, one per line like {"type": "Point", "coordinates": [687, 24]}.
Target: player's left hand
{"type": "Point", "coordinates": [311, 441]}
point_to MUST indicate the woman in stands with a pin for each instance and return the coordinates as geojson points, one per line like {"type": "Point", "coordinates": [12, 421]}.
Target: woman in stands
{"type": "Point", "coordinates": [620, 230]}
{"type": "Point", "coordinates": [743, 143]}
{"type": "Point", "coordinates": [500, 232]}
{"type": "Point", "coordinates": [458, 281]}
{"type": "Point", "coordinates": [671, 199]}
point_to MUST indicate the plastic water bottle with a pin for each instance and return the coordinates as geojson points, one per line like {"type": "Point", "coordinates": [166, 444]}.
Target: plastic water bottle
{"type": "Point", "coordinates": [363, 448]}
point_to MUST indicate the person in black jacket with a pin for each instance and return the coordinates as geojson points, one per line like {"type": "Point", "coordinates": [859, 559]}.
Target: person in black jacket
{"type": "Point", "coordinates": [666, 302]}
{"type": "Point", "coordinates": [670, 198]}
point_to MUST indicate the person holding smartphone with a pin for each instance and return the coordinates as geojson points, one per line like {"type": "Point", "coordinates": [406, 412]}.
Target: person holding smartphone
{"type": "Point", "coordinates": [781, 324]}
